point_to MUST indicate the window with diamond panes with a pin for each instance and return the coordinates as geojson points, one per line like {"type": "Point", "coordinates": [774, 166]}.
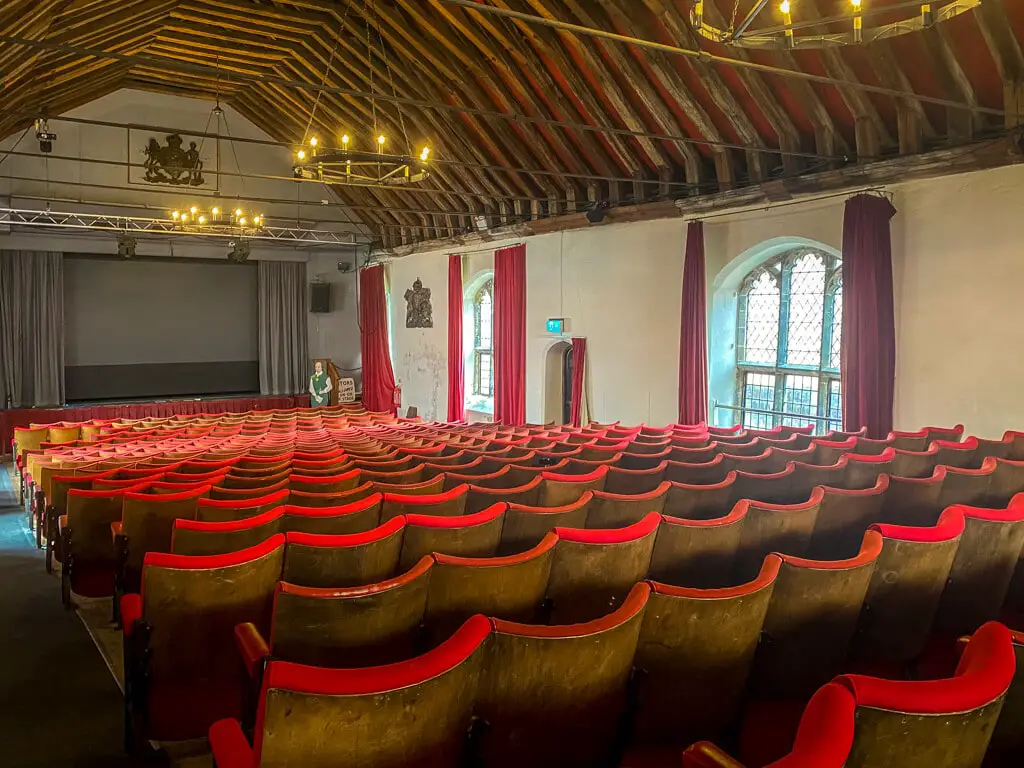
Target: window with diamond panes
{"type": "Point", "coordinates": [789, 328]}
{"type": "Point", "coordinates": [483, 345]}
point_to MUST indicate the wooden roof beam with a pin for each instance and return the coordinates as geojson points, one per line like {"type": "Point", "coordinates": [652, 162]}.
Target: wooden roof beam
{"type": "Point", "coordinates": [961, 125]}
{"type": "Point", "coordinates": [1005, 49]}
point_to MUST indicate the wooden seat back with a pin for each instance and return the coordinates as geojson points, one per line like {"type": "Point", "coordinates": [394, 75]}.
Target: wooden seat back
{"type": "Point", "coordinates": [346, 560]}
{"type": "Point", "coordinates": [526, 526]}
{"type": "Point", "coordinates": [475, 535]}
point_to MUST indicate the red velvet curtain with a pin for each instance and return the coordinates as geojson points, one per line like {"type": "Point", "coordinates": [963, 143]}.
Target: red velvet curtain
{"type": "Point", "coordinates": [456, 374]}
{"type": "Point", "coordinates": [693, 336]}
{"type": "Point", "coordinates": [869, 328]}
{"type": "Point", "coordinates": [510, 335]}
{"type": "Point", "coordinates": [378, 376]}
{"type": "Point", "coordinates": [579, 360]}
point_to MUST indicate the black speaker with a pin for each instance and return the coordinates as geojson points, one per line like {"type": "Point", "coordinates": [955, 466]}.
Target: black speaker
{"type": "Point", "coordinates": [320, 297]}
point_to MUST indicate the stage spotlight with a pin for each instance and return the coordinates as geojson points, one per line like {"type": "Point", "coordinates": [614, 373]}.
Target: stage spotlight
{"type": "Point", "coordinates": [597, 212]}
{"type": "Point", "coordinates": [126, 246]}
{"type": "Point", "coordinates": [44, 136]}
{"type": "Point", "coordinates": [239, 252]}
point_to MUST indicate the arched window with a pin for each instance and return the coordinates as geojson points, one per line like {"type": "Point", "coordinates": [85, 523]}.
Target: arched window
{"type": "Point", "coordinates": [788, 342]}
{"type": "Point", "coordinates": [483, 344]}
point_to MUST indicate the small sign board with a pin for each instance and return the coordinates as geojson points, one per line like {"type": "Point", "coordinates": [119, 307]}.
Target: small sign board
{"type": "Point", "coordinates": [346, 390]}
{"type": "Point", "coordinates": [556, 325]}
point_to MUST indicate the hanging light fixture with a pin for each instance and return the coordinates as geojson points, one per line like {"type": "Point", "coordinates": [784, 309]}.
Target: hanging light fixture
{"type": "Point", "coordinates": [799, 23]}
{"type": "Point", "coordinates": [363, 159]}
{"type": "Point", "coordinates": [216, 219]}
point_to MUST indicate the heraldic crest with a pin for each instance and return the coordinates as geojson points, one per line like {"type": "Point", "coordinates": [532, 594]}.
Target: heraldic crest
{"type": "Point", "coordinates": [171, 164]}
{"type": "Point", "coordinates": [418, 312]}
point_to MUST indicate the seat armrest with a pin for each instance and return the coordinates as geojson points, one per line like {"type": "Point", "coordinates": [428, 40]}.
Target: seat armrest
{"type": "Point", "coordinates": [230, 747]}
{"type": "Point", "coordinates": [62, 523]}
{"type": "Point", "coordinates": [115, 529]}
{"type": "Point", "coordinates": [704, 754]}
{"type": "Point", "coordinates": [252, 646]}
{"type": "Point", "coordinates": [131, 612]}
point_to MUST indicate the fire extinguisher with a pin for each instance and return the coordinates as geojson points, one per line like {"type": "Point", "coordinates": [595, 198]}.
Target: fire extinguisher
{"type": "Point", "coordinates": [398, 396]}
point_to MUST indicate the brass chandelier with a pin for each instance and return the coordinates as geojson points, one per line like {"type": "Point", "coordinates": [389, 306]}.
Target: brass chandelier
{"type": "Point", "coordinates": [798, 23]}
{"type": "Point", "coordinates": [348, 165]}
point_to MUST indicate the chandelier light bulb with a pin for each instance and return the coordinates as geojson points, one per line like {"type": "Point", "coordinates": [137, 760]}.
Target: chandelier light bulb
{"type": "Point", "coordinates": [381, 139]}
{"type": "Point", "coordinates": [215, 211]}
{"type": "Point", "coordinates": [345, 140]}
{"type": "Point", "coordinates": [301, 154]}
{"type": "Point", "coordinates": [238, 212]}
{"type": "Point", "coordinates": [193, 210]}
{"type": "Point", "coordinates": [784, 6]}
{"type": "Point", "coordinates": [175, 215]}
{"type": "Point", "coordinates": [184, 217]}
{"type": "Point", "coordinates": [425, 154]}
{"type": "Point", "coordinates": [313, 142]}
{"type": "Point", "coordinates": [856, 4]}
{"type": "Point", "coordinates": [242, 221]}
{"type": "Point", "coordinates": [202, 219]}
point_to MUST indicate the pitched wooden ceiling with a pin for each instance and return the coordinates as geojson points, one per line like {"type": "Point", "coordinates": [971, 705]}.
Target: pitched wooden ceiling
{"type": "Point", "coordinates": [526, 120]}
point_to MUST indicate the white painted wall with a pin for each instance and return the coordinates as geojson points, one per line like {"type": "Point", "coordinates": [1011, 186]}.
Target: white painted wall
{"type": "Point", "coordinates": [619, 286]}
{"type": "Point", "coordinates": [958, 262]}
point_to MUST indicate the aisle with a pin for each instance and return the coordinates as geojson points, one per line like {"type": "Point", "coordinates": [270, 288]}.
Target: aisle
{"type": "Point", "coordinates": [61, 706]}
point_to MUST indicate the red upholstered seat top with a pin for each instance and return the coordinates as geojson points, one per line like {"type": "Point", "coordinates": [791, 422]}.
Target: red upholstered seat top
{"type": "Point", "coordinates": [1013, 513]}
{"type": "Point", "coordinates": [659, 467]}
{"type": "Point", "coordinates": [108, 493]}
{"type": "Point", "coordinates": [194, 478]}
{"type": "Point", "coordinates": [970, 444]}
{"type": "Point", "coordinates": [205, 562]}
{"type": "Point", "coordinates": [736, 514]}
{"type": "Point", "coordinates": [638, 530]}
{"type": "Point", "coordinates": [730, 478]}
{"type": "Point", "coordinates": [245, 503]}
{"type": "Point", "coordinates": [393, 525]}
{"type": "Point", "coordinates": [191, 493]}
{"type": "Point", "coordinates": [950, 525]}
{"type": "Point", "coordinates": [870, 549]}
{"type": "Point", "coordinates": [268, 516]}
{"type": "Point", "coordinates": [325, 479]}
{"type": "Point", "coordinates": [343, 509]}
{"type": "Point", "coordinates": [817, 494]}
{"type": "Point", "coordinates": [825, 735]}
{"type": "Point", "coordinates": [848, 443]}
{"type": "Point", "coordinates": [880, 458]}
{"type": "Point", "coordinates": [767, 575]}
{"type": "Point", "coordinates": [984, 673]}
{"type": "Point", "coordinates": [430, 498]}
{"type": "Point", "coordinates": [518, 489]}
{"type": "Point", "coordinates": [633, 604]}
{"type": "Point", "coordinates": [661, 490]}
{"type": "Point", "coordinates": [425, 563]}
{"type": "Point", "coordinates": [370, 680]}
{"type": "Point", "coordinates": [987, 467]}
{"type": "Point", "coordinates": [546, 544]}
{"type": "Point", "coordinates": [492, 512]}
{"type": "Point", "coordinates": [582, 501]}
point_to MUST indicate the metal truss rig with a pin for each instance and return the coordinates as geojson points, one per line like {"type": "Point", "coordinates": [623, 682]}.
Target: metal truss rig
{"type": "Point", "coordinates": [98, 222]}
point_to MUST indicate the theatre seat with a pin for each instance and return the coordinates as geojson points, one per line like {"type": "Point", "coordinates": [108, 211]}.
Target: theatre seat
{"type": "Point", "coordinates": [913, 500]}
{"type": "Point", "coordinates": [181, 668]}
{"type": "Point", "coordinates": [227, 494]}
{"type": "Point", "coordinates": [555, 695]}
{"type": "Point", "coordinates": [915, 463]}
{"type": "Point", "coordinates": [617, 510]}
{"type": "Point", "coordinates": [906, 586]}
{"type": "Point", "coordinates": [226, 510]}
{"type": "Point", "coordinates": [338, 483]}
{"type": "Point", "coordinates": [357, 517]}
{"type": "Point", "coordinates": [1008, 739]}
{"type": "Point", "coordinates": [345, 627]}
{"type": "Point", "coordinates": [979, 578]}
{"type": "Point", "coordinates": [697, 553]}
{"type": "Point", "coordinates": [346, 560]}
{"type": "Point", "coordinates": [811, 621]}
{"type": "Point", "coordinates": [412, 713]}
{"type": "Point", "coordinates": [593, 570]}
{"type": "Point", "coordinates": [447, 504]}
{"type": "Point", "coordinates": [193, 537]}
{"type": "Point", "coordinates": [929, 723]}
{"type": "Point", "coordinates": [425, 488]}
{"type": "Point", "coordinates": [510, 587]}
{"type": "Point", "coordinates": [635, 481]}
{"type": "Point", "coordinates": [475, 535]}
{"type": "Point", "coordinates": [499, 478]}
{"type": "Point", "coordinates": [88, 558]}
{"type": "Point", "coordinates": [1006, 482]}
{"type": "Point", "coordinates": [823, 739]}
{"type": "Point", "coordinates": [255, 481]}
{"type": "Point", "coordinates": [306, 499]}
{"type": "Point", "coordinates": [481, 498]}
{"type": "Point", "coordinates": [967, 486]}
{"type": "Point", "coordinates": [784, 528]}
{"type": "Point", "coordinates": [843, 517]}
{"type": "Point", "coordinates": [526, 526]}
{"type": "Point", "coordinates": [695, 652]}
{"type": "Point", "coordinates": [700, 502]}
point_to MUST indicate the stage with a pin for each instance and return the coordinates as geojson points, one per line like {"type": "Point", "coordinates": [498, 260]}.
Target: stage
{"type": "Point", "coordinates": [23, 417]}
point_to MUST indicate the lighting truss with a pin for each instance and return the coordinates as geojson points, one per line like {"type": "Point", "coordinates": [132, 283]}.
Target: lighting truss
{"type": "Point", "coordinates": [100, 222]}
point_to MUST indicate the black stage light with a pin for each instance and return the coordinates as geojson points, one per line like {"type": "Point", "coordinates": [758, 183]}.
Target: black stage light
{"type": "Point", "coordinates": [597, 212]}
{"type": "Point", "coordinates": [126, 246]}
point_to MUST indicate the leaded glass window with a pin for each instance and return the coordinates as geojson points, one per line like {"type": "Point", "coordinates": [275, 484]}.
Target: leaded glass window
{"type": "Point", "coordinates": [789, 329]}
{"type": "Point", "coordinates": [483, 344]}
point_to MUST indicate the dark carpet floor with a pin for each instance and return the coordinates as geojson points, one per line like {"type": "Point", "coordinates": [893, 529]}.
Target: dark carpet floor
{"type": "Point", "coordinates": [59, 705]}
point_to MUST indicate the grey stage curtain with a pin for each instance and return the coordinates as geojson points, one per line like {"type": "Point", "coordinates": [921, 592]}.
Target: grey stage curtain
{"type": "Point", "coordinates": [31, 328]}
{"type": "Point", "coordinates": [284, 341]}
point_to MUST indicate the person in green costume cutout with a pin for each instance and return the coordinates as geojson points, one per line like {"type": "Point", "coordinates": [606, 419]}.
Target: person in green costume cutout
{"type": "Point", "coordinates": [319, 386]}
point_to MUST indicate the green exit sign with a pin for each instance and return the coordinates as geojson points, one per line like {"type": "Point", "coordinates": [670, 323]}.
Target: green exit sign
{"type": "Point", "coordinates": [556, 325]}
